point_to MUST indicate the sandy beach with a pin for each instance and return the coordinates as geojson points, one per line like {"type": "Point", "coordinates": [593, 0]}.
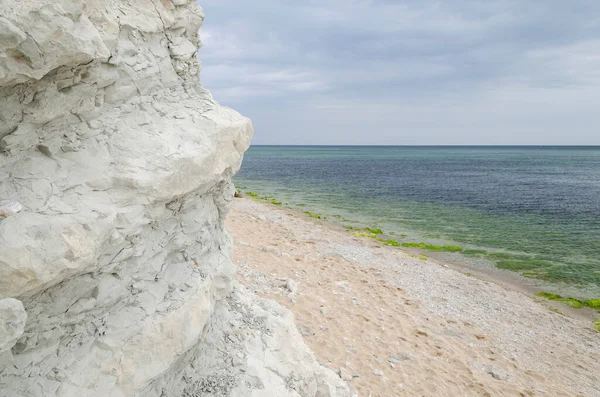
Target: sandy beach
{"type": "Point", "coordinates": [391, 324]}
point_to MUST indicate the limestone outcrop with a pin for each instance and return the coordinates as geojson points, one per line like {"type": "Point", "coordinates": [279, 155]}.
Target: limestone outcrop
{"type": "Point", "coordinates": [115, 178]}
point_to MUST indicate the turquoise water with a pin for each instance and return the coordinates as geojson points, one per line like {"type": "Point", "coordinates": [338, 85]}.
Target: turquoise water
{"type": "Point", "coordinates": [534, 210]}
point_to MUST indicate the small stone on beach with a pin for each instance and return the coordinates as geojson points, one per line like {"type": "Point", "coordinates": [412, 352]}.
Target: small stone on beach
{"type": "Point", "coordinates": [306, 331]}
{"type": "Point", "coordinates": [496, 373]}
{"type": "Point", "coordinates": [271, 250]}
{"type": "Point", "coordinates": [291, 286]}
{"type": "Point", "coordinates": [343, 285]}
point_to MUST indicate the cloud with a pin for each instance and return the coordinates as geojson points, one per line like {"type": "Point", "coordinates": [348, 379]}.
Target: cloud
{"type": "Point", "coordinates": [230, 42]}
{"type": "Point", "coordinates": [338, 67]}
{"type": "Point", "coordinates": [239, 83]}
{"type": "Point", "coordinates": [573, 64]}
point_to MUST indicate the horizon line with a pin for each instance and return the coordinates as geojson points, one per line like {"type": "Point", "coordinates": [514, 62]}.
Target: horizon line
{"type": "Point", "coordinates": [426, 145]}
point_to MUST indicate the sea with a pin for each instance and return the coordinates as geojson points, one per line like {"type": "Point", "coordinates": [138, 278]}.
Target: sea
{"type": "Point", "coordinates": [533, 210]}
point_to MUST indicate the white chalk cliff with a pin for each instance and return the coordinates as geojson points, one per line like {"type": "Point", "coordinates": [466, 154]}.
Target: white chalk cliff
{"type": "Point", "coordinates": [115, 177]}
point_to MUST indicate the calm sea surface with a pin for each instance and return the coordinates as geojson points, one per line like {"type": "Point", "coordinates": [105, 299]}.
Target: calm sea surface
{"type": "Point", "coordinates": [535, 210]}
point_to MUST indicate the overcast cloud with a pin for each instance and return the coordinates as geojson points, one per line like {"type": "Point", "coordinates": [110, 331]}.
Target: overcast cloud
{"type": "Point", "coordinates": [407, 72]}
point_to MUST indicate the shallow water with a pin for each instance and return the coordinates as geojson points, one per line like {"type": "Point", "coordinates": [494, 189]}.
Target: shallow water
{"type": "Point", "coordinates": [535, 210]}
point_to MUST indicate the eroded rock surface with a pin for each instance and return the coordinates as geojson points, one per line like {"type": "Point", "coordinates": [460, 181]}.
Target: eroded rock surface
{"type": "Point", "coordinates": [12, 322]}
{"type": "Point", "coordinates": [252, 348]}
{"type": "Point", "coordinates": [121, 165]}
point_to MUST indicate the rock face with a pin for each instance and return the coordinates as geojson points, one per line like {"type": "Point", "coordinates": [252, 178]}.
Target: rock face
{"type": "Point", "coordinates": [115, 178]}
{"type": "Point", "coordinates": [12, 322]}
{"type": "Point", "coordinates": [252, 348]}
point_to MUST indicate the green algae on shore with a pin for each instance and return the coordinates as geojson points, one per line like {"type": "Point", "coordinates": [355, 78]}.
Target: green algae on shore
{"type": "Point", "coordinates": [593, 303]}
{"type": "Point", "coordinates": [432, 247]}
{"type": "Point", "coordinates": [263, 199]}
{"type": "Point", "coordinates": [421, 257]}
{"type": "Point", "coordinates": [375, 236]}
{"type": "Point", "coordinates": [313, 215]}
{"type": "Point", "coordinates": [373, 230]}
{"type": "Point", "coordinates": [549, 296]}
{"type": "Point", "coordinates": [572, 302]}
{"type": "Point", "coordinates": [392, 243]}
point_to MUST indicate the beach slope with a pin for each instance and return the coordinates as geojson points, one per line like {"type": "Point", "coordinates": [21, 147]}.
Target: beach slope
{"type": "Point", "coordinates": [393, 324]}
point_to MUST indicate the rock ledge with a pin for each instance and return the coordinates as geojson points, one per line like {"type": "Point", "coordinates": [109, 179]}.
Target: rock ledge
{"type": "Point", "coordinates": [115, 179]}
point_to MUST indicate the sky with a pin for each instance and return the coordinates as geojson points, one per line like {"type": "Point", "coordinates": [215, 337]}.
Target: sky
{"type": "Point", "coordinates": [414, 72]}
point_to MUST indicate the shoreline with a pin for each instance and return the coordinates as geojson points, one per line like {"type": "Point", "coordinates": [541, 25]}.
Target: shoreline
{"type": "Point", "coordinates": [507, 278]}
{"type": "Point", "coordinates": [515, 282]}
{"type": "Point", "coordinates": [473, 335]}
{"type": "Point", "coordinates": [504, 278]}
